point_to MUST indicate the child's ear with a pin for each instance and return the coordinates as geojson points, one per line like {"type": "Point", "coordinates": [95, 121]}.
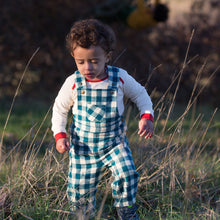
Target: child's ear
{"type": "Point", "coordinates": [72, 54]}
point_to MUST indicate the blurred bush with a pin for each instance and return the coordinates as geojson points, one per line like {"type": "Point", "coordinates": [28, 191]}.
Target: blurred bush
{"type": "Point", "coordinates": [27, 25]}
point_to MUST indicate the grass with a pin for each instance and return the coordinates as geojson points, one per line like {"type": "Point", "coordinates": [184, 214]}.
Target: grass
{"type": "Point", "coordinates": [178, 171]}
{"type": "Point", "coordinates": [25, 115]}
{"type": "Point", "coordinates": [179, 166]}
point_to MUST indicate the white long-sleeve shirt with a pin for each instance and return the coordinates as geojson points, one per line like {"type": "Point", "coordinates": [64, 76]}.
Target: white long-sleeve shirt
{"type": "Point", "coordinates": [67, 97]}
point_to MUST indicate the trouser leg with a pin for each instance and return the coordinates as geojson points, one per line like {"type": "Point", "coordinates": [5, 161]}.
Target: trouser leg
{"type": "Point", "coordinates": [124, 186]}
{"type": "Point", "coordinates": [82, 186]}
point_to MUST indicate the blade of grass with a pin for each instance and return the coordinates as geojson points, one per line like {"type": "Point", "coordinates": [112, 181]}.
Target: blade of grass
{"type": "Point", "coordinates": [13, 101]}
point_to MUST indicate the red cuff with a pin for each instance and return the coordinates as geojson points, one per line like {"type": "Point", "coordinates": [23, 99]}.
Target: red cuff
{"type": "Point", "coordinates": [148, 116]}
{"type": "Point", "coordinates": [60, 135]}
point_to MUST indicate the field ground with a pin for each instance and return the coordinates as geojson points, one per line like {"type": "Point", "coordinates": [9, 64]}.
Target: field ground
{"type": "Point", "coordinates": [179, 167]}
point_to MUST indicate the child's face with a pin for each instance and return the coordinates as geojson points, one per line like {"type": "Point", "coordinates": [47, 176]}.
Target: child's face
{"type": "Point", "coordinates": [91, 62]}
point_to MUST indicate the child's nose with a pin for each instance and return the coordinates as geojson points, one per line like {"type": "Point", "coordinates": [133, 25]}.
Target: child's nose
{"type": "Point", "coordinates": [88, 65]}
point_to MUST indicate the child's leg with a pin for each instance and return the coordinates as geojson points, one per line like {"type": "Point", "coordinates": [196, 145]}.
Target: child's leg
{"type": "Point", "coordinates": [83, 179]}
{"type": "Point", "coordinates": [124, 186]}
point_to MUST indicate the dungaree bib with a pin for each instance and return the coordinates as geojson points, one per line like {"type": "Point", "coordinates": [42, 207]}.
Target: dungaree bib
{"type": "Point", "coordinates": [97, 141]}
{"type": "Point", "coordinates": [97, 124]}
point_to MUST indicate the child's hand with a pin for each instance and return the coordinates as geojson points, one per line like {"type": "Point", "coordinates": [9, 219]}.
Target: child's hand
{"type": "Point", "coordinates": [145, 128]}
{"type": "Point", "coordinates": [62, 145]}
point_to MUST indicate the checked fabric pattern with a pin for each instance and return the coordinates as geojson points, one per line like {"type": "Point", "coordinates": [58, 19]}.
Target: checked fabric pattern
{"type": "Point", "coordinates": [86, 171]}
{"type": "Point", "coordinates": [97, 124]}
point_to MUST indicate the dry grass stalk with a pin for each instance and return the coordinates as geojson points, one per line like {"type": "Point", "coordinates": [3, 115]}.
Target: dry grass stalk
{"type": "Point", "coordinates": [13, 101]}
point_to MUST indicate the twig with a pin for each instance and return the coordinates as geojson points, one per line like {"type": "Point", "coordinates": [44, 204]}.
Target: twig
{"type": "Point", "coordinates": [178, 84]}
{"type": "Point", "coordinates": [60, 211]}
{"type": "Point", "coordinates": [108, 185]}
{"type": "Point", "coordinates": [117, 58]}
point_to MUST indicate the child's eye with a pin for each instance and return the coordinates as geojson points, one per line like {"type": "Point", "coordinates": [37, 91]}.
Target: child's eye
{"type": "Point", "coordinates": [94, 61]}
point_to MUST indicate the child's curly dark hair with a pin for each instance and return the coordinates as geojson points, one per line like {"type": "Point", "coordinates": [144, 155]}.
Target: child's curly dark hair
{"type": "Point", "coordinates": [90, 32]}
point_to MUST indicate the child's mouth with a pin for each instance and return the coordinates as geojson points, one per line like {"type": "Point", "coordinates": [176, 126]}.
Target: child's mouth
{"type": "Point", "coordinates": [89, 75]}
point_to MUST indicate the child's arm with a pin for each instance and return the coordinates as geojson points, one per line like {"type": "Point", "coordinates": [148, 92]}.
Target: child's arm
{"type": "Point", "coordinates": [138, 95]}
{"type": "Point", "coordinates": [62, 105]}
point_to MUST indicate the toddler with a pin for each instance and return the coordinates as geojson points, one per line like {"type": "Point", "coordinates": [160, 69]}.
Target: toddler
{"type": "Point", "coordinates": [98, 140]}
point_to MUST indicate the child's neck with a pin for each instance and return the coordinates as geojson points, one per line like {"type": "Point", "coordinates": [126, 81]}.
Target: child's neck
{"type": "Point", "coordinates": [98, 80]}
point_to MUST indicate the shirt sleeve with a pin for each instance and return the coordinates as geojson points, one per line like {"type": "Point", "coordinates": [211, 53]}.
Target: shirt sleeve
{"type": "Point", "coordinates": [61, 107]}
{"type": "Point", "coordinates": [138, 94]}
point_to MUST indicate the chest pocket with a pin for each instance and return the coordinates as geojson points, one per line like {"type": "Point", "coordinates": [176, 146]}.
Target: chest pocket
{"type": "Point", "coordinates": [96, 112]}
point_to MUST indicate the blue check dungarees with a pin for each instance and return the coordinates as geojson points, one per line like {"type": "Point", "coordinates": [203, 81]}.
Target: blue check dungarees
{"type": "Point", "coordinates": [97, 141]}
